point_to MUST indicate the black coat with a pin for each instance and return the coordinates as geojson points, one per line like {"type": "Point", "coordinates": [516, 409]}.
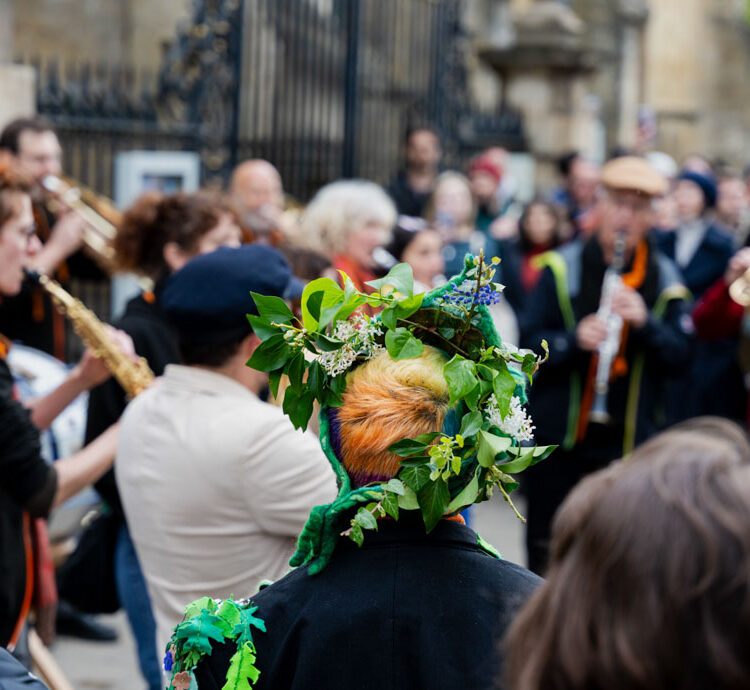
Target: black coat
{"type": "Point", "coordinates": [663, 342]}
{"type": "Point", "coordinates": [407, 610]}
{"type": "Point", "coordinates": [709, 261]}
{"type": "Point", "coordinates": [714, 366]}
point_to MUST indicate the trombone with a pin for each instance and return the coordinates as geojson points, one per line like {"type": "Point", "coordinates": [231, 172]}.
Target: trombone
{"type": "Point", "coordinates": [99, 232]}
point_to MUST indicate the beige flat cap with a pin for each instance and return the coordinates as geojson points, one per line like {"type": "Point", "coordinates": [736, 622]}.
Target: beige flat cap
{"type": "Point", "coordinates": [635, 174]}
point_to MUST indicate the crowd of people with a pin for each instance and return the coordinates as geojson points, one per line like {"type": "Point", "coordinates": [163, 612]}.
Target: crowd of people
{"type": "Point", "coordinates": [630, 265]}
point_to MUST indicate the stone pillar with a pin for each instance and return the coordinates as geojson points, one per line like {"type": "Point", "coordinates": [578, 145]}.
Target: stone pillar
{"type": "Point", "coordinates": [633, 15]}
{"type": "Point", "coordinates": [17, 82]}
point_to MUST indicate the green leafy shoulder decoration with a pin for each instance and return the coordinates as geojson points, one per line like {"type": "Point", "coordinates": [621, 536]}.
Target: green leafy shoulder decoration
{"type": "Point", "coordinates": [485, 438]}
{"type": "Point", "coordinates": [205, 620]}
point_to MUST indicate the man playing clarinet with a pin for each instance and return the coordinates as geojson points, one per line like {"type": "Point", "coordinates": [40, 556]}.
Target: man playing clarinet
{"type": "Point", "coordinates": [610, 349]}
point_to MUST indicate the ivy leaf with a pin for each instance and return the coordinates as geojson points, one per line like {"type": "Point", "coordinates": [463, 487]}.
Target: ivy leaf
{"type": "Point", "coordinates": [400, 278]}
{"type": "Point", "coordinates": [298, 406]}
{"type": "Point", "coordinates": [447, 332]}
{"type": "Point", "coordinates": [406, 307]}
{"type": "Point", "coordinates": [519, 464]}
{"type": "Point", "coordinates": [272, 308]}
{"type": "Point", "coordinates": [313, 305]}
{"type": "Point", "coordinates": [504, 385]}
{"type": "Point", "coordinates": [242, 673]}
{"type": "Point", "coordinates": [466, 497]}
{"type": "Point", "coordinates": [395, 486]}
{"type": "Point", "coordinates": [388, 317]}
{"type": "Point", "coordinates": [489, 446]}
{"type": "Point", "coordinates": [390, 505]}
{"type": "Point", "coordinates": [401, 344]}
{"type": "Point", "coordinates": [327, 344]}
{"type": "Point", "coordinates": [460, 375]}
{"type": "Point", "coordinates": [434, 498]}
{"type": "Point", "coordinates": [261, 327]}
{"type": "Point", "coordinates": [315, 379]}
{"type": "Point", "coordinates": [270, 354]}
{"type": "Point", "coordinates": [365, 519]}
{"type": "Point", "coordinates": [528, 366]}
{"type": "Point", "coordinates": [472, 399]}
{"type": "Point", "coordinates": [274, 378]}
{"type": "Point", "coordinates": [471, 423]}
{"type": "Point", "coordinates": [415, 477]}
{"type": "Point", "coordinates": [412, 446]}
{"type": "Point", "coordinates": [318, 295]}
{"type": "Point", "coordinates": [295, 370]}
{"type": "Point", "coordinates": [356, 535]}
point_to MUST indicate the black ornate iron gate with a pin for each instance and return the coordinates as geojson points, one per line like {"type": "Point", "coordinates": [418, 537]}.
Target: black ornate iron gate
{"type": "Point", "coordinates": [322, 88]}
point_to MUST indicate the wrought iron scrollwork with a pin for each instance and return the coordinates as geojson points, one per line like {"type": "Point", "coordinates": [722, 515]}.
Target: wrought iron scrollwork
{"type": "Point", "coordinates": [199, 82]}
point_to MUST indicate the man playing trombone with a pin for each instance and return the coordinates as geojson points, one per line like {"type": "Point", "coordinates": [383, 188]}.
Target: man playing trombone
{"type": "Point", "coordinates": [33, 148]}
{"type": "Point", "coordinates": [614, 313]}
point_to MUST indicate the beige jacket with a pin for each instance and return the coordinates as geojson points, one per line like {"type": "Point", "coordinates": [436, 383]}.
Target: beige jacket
{"type": "Point", "coordinates": [216, 486]}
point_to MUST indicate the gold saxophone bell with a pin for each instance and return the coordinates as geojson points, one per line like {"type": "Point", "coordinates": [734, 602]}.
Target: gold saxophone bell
{"type": "Point", "coordinates": [739, 290]}
{"type": "Point", "coordinates": [133, 376]}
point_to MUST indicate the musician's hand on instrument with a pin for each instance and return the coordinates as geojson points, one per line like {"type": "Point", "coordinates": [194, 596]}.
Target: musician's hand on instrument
{"type": "Point", "coordinates": [92, 370]}
{"type": "Point", "coordinates": [67, 234]}
{"type": "Point", "coordinates": [629, 305]}
{"type": "Point", "coordinates": [590, 332]}
{"type": "Point", "coordinates": [738, 264]}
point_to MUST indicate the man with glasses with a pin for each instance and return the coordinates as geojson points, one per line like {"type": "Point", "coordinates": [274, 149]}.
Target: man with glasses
{"type": "Point", "coordinates": [32, 147]}
{"type": "Point", "coordinates": [649, 341]}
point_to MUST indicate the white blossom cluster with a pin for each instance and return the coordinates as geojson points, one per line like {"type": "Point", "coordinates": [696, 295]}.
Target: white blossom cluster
{"type": "Point", "coordinates": [358, 335]}
{"type": "Point", "coordinates": [517, 423]}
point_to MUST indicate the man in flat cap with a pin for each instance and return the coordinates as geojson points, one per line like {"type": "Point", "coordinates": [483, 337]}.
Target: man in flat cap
{"type": "Point", "coordinates": [216, 484]}
{"type": "Point", "coordinates": [646, 334]}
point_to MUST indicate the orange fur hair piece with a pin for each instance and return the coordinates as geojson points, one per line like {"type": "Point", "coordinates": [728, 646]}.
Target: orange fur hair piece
{"type": "Point", "coordinates": [384, 402]}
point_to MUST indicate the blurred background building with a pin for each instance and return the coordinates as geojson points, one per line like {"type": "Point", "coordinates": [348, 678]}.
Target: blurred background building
{"type": "Point", "coordinates": [326, 88]}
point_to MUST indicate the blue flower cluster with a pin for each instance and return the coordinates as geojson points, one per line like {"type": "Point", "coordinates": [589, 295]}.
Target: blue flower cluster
{"type": "Point", "coordinates": [168, 661]}
{"type": "Point", "coordinates": [487, 295]}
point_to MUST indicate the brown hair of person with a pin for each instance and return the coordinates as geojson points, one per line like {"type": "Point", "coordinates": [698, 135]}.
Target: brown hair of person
{"type": "Point", "coordinates": [154, 220]}
{"type": "Point", "coordinates": [649, 580]}
{"type": "Point", "coordinates": [12, 183]}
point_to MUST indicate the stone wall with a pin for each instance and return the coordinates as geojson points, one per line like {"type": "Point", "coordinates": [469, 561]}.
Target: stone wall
{"type": "Point", "coordinates": [113, 31]}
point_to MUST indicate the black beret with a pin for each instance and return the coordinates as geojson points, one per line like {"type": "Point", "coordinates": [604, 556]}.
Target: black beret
{"type": "Point", "coordinates": [208, 298]}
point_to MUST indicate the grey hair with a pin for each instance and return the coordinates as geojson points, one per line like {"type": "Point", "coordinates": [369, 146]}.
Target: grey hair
{"type": "Point", "coordinates": [343, 206]}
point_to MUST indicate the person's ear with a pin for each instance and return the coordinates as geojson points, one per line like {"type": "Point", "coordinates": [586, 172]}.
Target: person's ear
{"type": "Point", "coordinates": [174, 256]}
{"type": "Point", "coordinates": [250, 344]}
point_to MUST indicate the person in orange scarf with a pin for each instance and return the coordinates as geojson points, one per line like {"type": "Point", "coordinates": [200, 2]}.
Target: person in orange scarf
{"type": "Point", "coordinates": [564, 310]}
{"type": "Point", "coordinates": [351, 221]}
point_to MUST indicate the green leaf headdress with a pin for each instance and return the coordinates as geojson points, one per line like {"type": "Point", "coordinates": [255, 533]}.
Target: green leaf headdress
{"type": "Point", "coordinates": [484, 439]}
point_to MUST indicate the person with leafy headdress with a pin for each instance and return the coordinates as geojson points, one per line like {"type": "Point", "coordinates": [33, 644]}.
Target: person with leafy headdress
{"type": "Point", "coordinates": [421, 415]}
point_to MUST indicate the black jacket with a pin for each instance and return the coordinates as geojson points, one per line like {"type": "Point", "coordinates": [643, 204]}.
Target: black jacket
{"type": "Point", "coordinates": [709, 261]}
{"type": "Point", "coordinates": [406, 611]}
{"type": "Point", "coordinates": [27, 484]}
{"type": "Point", "coordinates": [154, 339]}
{"type": "Point", "coordinates": [663, 344]}
{"type": "Point", "coordinates": [408, 201]}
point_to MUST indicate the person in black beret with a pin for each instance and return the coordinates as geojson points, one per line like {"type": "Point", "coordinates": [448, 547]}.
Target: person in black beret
{"type": "Point", "coordinates": [702, 251]}
{"type": "Point", "coordinates": [204, 466]}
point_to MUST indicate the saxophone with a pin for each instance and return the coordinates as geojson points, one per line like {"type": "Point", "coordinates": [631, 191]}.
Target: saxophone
{"type": "Point", "coordinates": [609, 347]}
{"type": "Point", "coordinates": [134, 377]}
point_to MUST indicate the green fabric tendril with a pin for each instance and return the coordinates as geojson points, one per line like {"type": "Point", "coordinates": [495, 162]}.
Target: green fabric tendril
{"type": "Point", "coordinates": [205, 620]}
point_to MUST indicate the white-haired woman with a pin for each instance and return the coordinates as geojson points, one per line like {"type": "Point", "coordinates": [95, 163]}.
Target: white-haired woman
{"type": "Point", "coordinates": [349, 220]}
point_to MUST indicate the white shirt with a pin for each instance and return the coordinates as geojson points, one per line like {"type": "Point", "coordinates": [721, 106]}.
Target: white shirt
{"type": "Point", "coordinates": [688, 239]}
{"type": "Point", "coordinates": [216, 486]}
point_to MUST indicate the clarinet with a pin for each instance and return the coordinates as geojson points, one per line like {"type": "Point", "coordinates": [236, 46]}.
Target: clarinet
{"type": "Point", "coordinates": [134, 377]}
{"type": "Point", "coordinates": [608, 348]}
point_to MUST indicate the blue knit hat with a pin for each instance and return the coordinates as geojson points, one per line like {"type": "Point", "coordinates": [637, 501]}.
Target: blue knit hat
{"type": "Point", "coordinates": [706, 183]}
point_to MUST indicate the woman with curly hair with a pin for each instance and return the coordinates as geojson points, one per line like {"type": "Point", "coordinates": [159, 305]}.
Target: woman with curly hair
{"type": "Point", "coordinates": [158, 235]}
{"type": "Point", "coordinates": [649, 582]}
